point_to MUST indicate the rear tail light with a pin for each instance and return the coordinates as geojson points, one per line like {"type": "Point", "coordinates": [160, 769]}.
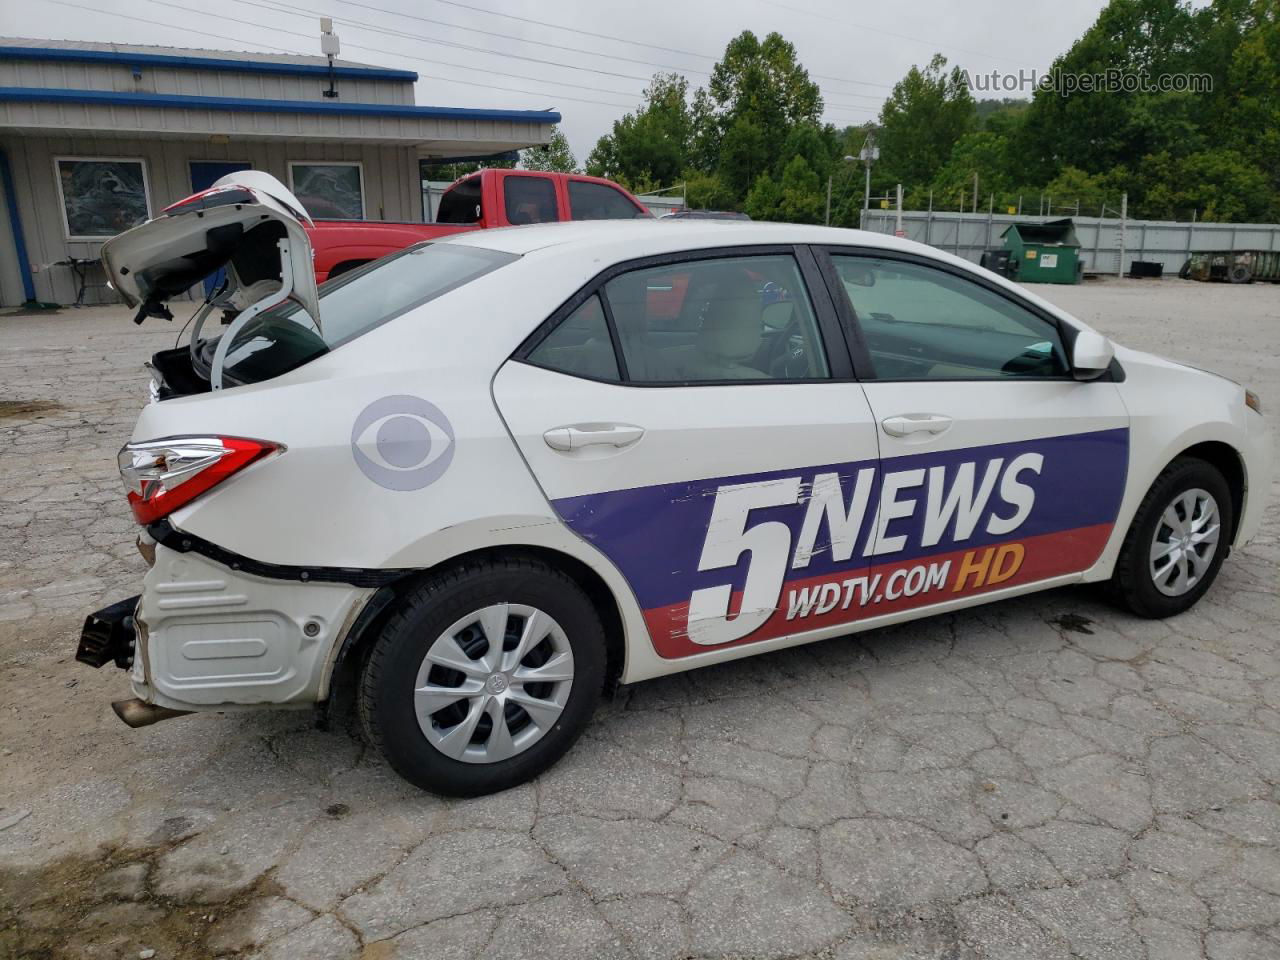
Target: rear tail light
{"type": "Point", "coordinates": [163, 475]}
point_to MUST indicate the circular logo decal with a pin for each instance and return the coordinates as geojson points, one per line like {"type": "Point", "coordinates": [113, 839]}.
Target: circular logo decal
{"type": "Point", "coordinates": [402, 442]}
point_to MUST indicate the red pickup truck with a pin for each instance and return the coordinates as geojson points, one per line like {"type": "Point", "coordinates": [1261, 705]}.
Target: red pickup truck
{"type": "Point", "coordinates": [490, 198]}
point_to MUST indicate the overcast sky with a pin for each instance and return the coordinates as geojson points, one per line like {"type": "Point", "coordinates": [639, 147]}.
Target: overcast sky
{"type": "Point", "coordinates": [856, 50]}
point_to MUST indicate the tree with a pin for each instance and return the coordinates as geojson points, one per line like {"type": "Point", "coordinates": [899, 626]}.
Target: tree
{"type": "Point", "coordinates": [652, 144]}
{"type": "Point", "coordinates": [764, 199]}
{"type": "Point", "coordinates": [982, 152]}
{"type": "Point", "coordinates": [1221, 185]}
{"type": "Point", "coordinates": [447, 171]}
{"type": "Point", "coordinates": [760, 94]}
{"type": "Point", "coordinates": [763, 80]}
{"type": "Point", "coordinates": [1091, 190]}
{"type": "Point", "coordinates": [927, 113]}
{"type": "Point", "coordinates": [1091, 129]}
{"type": "Point", "coordinates": [802, 196]}
{"type": "Point", "coordinates": [745, 154]}
{"type": "Point", "coordinates": [706, 191]}
{"type": "Point", "coordinates": [555, 156]}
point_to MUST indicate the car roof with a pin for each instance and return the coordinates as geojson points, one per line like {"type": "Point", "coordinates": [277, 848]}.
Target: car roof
{"type": "Point", "coordinates": [607, 242]}
{"type": "Point", "coordinates": [645, 237]}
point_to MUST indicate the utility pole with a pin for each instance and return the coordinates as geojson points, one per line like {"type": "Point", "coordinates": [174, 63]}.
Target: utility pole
{"type": "Point", "coordinates": [899, 232]}
{"type": "Point", "coordinates": [869, 154]}
{"type": "Point", "coordinates": [1124, 213]}
{"type": "Point", "coordinates": [827, 220]}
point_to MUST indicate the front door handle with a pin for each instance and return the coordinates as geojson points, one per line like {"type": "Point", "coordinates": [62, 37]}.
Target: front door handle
{"type": "Point", "coordinates": [579, 435]}
{"type": "Point", "coordinates": [915, 423]}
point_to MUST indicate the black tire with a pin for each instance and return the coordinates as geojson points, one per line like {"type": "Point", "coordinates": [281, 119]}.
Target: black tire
{"type": "Point", "coordinates": [1240, 274]}
{"type": "Point", "coordinates": [386, 701]}
{"type": "Point", "coordinates": [1185, 272]}
{"type": "Point", "coordinates": [1131, 584]}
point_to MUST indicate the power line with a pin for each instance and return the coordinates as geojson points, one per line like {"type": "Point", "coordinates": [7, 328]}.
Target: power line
{"type": "Point", "coordinates": [639, 43]}
{"type": "Point", "coordinates": [285, 8]}
{"type": "Point", "coordinates": [186, 29]}
{"type": "Point", "coordinates": [282, 7]}
{"type": "Point", "coordinates": [158, 23]}
{"type": "Point", "coordinates": [279, 7]}
{"type": "Point", "coordinates": [445, 43]}
{"type": "Point", "coordinates": [491, 33]}
{"type": "Point", "coordinates": [585, 33]}
{"type": "Point", "coordinates": [889, 33]}
{"type": "Point", "coordinates": [276, 5]}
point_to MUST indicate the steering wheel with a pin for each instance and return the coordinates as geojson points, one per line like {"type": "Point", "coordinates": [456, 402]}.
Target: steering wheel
{"type": "Point", "coordinates": [786, 358]}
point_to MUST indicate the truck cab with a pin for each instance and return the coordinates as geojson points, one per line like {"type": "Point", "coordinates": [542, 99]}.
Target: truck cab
{"type": "Point", "coordinates": [481, 200]}
{"type": "Point", "coordinates": [506, 198]}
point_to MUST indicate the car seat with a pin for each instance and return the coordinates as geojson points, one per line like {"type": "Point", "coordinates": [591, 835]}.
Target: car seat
{"type": "Point", "coordinates": [730, 337]}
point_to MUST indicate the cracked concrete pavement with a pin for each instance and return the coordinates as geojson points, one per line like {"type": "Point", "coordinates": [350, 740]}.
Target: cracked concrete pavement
{"type": "Point", "coordinates": [1040, 778]}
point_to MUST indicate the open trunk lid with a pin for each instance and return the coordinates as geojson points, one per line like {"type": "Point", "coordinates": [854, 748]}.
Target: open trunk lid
{"type": "Point", "coordinates": [238, 223]}
{"type": "Point", "coordinates": [248, 223]}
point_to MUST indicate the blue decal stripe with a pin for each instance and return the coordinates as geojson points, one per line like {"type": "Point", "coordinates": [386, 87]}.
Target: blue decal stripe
{"type": "Point", "coordinates": [655, 534]}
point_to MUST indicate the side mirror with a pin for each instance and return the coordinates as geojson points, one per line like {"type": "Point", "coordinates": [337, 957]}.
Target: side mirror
{"type": "Point", "coordinates": [1091, 355]}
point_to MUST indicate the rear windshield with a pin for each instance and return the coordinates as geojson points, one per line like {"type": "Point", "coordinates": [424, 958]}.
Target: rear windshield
{"type": "Point", "coordinates": [353, 304]}
{"type": "Point", "coordinates": [461, 203]}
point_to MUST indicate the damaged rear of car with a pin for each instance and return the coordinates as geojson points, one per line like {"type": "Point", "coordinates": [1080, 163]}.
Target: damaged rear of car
{"type": "Point", "coordinates": [248, 597]}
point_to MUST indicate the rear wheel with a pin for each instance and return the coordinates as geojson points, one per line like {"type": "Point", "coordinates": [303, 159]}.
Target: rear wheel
{"type": "Point", "coordinates": [1177, 542]}
{"type": "Point", "coordinates": [484, 677]}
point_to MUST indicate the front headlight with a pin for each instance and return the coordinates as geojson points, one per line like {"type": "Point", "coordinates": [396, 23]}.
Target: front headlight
{"type": "Point", "coordinates": [1253, 401]}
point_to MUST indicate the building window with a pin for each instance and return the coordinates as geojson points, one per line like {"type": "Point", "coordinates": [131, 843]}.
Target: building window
{"type": "Point", "coordinates": [101, 196]}
{"type": "Point", "coordinates": [329, 191]}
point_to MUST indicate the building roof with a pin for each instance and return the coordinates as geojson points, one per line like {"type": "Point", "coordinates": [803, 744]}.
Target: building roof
{"type": "Point", "coordinates": [330, 108]}
{"type": "Point", "coordinates": [180, 58]}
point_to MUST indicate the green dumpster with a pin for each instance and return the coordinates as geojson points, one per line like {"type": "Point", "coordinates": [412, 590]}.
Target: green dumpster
{"type": "Point", "coordinates": [1045, 252]}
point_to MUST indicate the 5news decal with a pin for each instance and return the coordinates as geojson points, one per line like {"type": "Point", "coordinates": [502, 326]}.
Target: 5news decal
{"type": "Point", "coordinates": [743, 559]}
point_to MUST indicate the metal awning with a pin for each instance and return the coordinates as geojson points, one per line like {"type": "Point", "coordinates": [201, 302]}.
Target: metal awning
{"type": "Point", "coordinates": [435, 131]}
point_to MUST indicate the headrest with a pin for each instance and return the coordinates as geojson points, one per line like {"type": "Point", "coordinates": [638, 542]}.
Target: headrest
{"type": "Point", "coordinates": [734, 321]}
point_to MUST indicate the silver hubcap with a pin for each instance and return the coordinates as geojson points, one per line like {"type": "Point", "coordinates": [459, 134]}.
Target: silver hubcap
{"type": "Point", "coordinates": [1186, 540]}
{"type": "Point", "coordinates": [494, 683]}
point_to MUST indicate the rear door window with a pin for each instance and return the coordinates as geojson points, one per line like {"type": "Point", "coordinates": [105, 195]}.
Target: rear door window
{"type": "Point", "coordinates": [738, 319]}
{"type": "Point", "coordinates": [580, 345]}
{"type": "Point", "coordinates": [598, 201]}
{"type": "Point", "coordinates": [529, 199]}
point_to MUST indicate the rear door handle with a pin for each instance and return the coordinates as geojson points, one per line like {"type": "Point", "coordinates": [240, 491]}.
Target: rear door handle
{"type": "Point", "coordinates": [915, 423]}
{"type": "Point", "coordinates": [579, 435]}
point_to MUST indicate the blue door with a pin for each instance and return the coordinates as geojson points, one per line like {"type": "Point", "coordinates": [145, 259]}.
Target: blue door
{"type": "Point", "coordinates": [204, 174]}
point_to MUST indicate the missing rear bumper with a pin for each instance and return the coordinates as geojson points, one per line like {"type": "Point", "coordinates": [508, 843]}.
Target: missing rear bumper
{"type": "Point", "coordinates": [109, 636]}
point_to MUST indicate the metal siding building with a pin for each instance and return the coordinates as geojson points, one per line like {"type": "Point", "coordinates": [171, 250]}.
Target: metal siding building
{"type": "Point", "coordinates": [149, 114]}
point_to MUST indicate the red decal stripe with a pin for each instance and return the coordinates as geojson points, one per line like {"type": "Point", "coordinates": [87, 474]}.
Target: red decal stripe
{"type": "Point", "coordinates": [1042, 557]}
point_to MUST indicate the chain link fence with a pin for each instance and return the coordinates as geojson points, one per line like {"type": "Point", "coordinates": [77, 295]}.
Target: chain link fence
{"type": "Point", "coordinates": [1107, 246]}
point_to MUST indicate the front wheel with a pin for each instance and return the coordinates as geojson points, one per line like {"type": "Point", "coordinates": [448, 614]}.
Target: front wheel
{"type": "Point", "coordinates": [484, 677]}
{"type": "Point", "coordinates": [1177, 541]}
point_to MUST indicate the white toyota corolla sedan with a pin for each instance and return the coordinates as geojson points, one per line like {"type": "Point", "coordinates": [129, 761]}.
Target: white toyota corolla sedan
{"type": "Point", "coordinates": [470, 485]}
